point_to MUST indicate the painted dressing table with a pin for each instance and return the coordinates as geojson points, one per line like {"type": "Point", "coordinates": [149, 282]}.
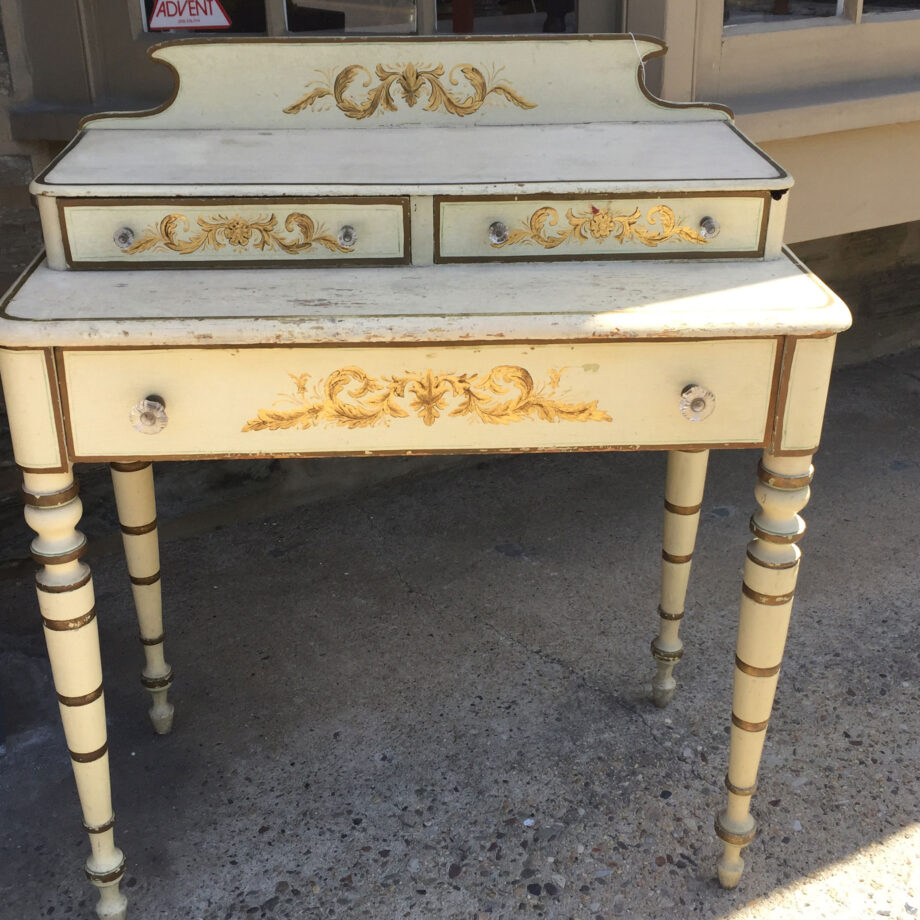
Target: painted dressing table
{"type": "Point", "coordinates": [423, 246]}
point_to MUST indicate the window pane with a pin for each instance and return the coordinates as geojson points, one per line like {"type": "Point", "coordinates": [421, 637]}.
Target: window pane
{"type": "Point", "coordinates": [364, 16]}
{"type": "Point", "coordinates": [205, 15]}
{"type": "Point", "coordinates": [504, 17]}
{"type": "Point", "coordinates": [889, 6]}
{"type": "Point", "coordinates": [738, 12]}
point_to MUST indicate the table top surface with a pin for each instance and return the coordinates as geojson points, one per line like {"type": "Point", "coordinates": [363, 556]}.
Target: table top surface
{"type": "Point", "coordinates": [412, 160]}
{"type": "Point", "coordinates": [441, 303]}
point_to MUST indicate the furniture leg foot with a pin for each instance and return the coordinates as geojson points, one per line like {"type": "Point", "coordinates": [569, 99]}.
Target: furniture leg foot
{"type": "Point", "coordinates": [136, 504]}
{"type": "Point", "coordinates": [730, 867]}
{"type": "Point", "coordinates": [67, 603]}
{"type": "Point", "coordinates": [770, 574]}
{"type": "Point", "coordinates": [112, 904]}
{"type": "Point", "coordinates": [686, 478]}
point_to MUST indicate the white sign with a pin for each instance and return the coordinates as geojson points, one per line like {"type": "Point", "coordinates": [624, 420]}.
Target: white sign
{"type": "Point", "coordinates": [188, 14]}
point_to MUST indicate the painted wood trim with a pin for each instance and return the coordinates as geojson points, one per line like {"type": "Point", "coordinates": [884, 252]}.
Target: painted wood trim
{"type": "Point", "coordinates": [553, 397]}
{"type": "Point", "coordinates": [34, 409]}
{"type": "Point", "coordinates": [170, 54]}
{"type": "Point", "coordinates": [630, 254]}
{"type": "Point", "coordinates": [171, 204]}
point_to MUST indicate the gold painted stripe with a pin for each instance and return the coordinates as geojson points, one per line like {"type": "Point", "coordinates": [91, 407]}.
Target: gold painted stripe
{"type": "Point", "coordinates": [103, 878]}
{"type": "Point", "coordinates": [157, 683]}
{"type": "Point", "coordinates": [75, 623]}
{"type": "Point", "coordinates": [61, 589]}
{"type": "Point", "coordinates": [669, 616]}
{"type": "Point", "coordinates": [51, 499]}
{"type": "Point", "coordinates": [145, 579]}
{"type": "Point", "coordinates": [84, 700]}
{"type": "Point", "coordinates": [776, 537]}
{"type": "Point", "coordinates": [746, 668]}
{"type": "Point", "coordinates": [42, 559]}
{"type": "Point", "coordinates": [771, 565]}
{"type": "Point", "coordinates": [767, 600]}
{"type": "Point", "coordinates": [682, 509]}
{"type": "Point", "coordinates": [155, 641]}
{"type": "Point", "coordinates": [776, 481]}
{"type": "Point", "coordinates": [749, 726]}
{"type": "Point", "coordinates": [99, 828]}
{"type": "Point", "coordinates": [662, 655]}
{"type": "Point", "coordinates": [739, 840]}
{"type": "Point", "coordinates": [739, 790]}
{"type": "Point", "coordinates": [137, 531]}
{"type": "Point", "coordinates": [130, 467]}
{"type": "Point", "coordinates": [91, 756]}
{"type": "Point", "coordinates": [677, 560]}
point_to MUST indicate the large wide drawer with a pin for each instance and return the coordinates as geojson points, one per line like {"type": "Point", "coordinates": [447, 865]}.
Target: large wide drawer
{"type": "Point", "coordinates": [364, 400]}
{"type": "Point", "coordinates": [118, 233]}
{"type": "Point", "coordinates": [645, 226]}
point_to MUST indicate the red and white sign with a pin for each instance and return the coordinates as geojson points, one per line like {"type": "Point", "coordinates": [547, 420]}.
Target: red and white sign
{"type": "Point", "coordinates": [188, 14]}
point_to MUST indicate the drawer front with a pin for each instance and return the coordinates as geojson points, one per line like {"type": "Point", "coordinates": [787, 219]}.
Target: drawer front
{"type": "Point", "coordinates": [119, 234]}
{"type": "Point", "coordinates": [282, 401]}
{"type": "Point", "coordinates": [642, 227]}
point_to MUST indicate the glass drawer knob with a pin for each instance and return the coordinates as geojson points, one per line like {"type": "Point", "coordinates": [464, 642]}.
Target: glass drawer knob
{"type": "Point", "coordinates": [696, 402]}
{"type": "Point", "coordinates": [124, 237]}
{"type": "Point", "coordinates": [149, 415]}
{"type": "Point", "coordinates": [348, 236]}
{"type": "Point", "coordinates": [709, 228]}
{"type": "Point", "coordinates": [498, 233]}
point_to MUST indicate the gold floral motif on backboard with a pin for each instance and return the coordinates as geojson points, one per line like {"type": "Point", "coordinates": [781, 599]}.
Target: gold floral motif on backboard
{"type": "Point", "coordinates": [411, 83]}
{"type": "Point", "coordinates": [601, 224]}
{"type": "Point", "coordinates": [236, 232]}
{"type": "Point", "coordinates": [352, 398]}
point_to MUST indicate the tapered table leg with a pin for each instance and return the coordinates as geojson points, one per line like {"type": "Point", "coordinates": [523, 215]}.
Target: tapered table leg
{"type": "Point", "coordinates": [770, 574]}
{"type": "Point", "coordinates": [65, 597]}
{"type": "Point", "coordinates": [683, 493]}
{"type": "Point", "coordinates": [137, 514]}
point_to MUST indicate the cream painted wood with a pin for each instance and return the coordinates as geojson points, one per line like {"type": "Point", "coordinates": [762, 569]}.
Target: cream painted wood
{"type": "Point", "coordinates": [137, 515]}
{"type": "Point", "coordinates": [776, 225]}
{"type": "Point", "coordinates": [604, 157]}
{"type": "Point", "coordinates": [402, 359]}
{"type": "Point", "coordinates": [566, 397]}
{"type": "Point", "coordinates": [65, 596]}
{"type": "Point", "coordinates": [808, 382]}
{"type": "Point", "coordinates": [422, 230]}
{"type": "Point", "coordinates": [564, 79]}
{"type": "Point", "coordinates": [532, 302]}
{"type": "Point", "coordinates": [683, 494]}
{"type": "Point", "coordinates": [234, 232]}
{"type": "Point", "coordinates": [31, 402]}
{"type": "Point", "coordinates": [464, 227]}
{"type": "Point", "coordinates": [52, 231]}
{"type": "Point", "coordinates": [770, 574]}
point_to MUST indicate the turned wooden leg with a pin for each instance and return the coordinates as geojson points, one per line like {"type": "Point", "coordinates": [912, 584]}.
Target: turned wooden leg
{"type": "Point", "coordinates": [683, 495]}
{"type": "Point", "coordinates": [65, 597]}
{"type": "Point", "coordinates": [770, 574]}
{"type": "Point", "coordinates": [137, 514]}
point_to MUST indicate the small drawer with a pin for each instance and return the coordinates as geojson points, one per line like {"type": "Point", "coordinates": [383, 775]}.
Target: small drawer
{"type": "Point", "coordinates": [205, 232]}
{"type": "Point", "coordinates": [280, 401]}
{"type": "Point", "coordinates": [675, 226]}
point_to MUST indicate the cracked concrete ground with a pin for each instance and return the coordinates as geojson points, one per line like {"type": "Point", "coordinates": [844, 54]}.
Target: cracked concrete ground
{"type": "Point", "coordinates": [428, 696]}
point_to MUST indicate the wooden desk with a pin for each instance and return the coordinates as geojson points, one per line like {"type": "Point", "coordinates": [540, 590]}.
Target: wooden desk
{"type": "Point", "coordinates": [588, 313]}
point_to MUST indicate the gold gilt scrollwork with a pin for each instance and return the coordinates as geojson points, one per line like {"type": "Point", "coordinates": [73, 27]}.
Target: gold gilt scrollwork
{"type": "Point", "coordinates": [601, 224]}
{"type": "Point", "coordinates": [411, 83]}
{"type": "Point", "coordinates": [237, 232]}
{"type": "Point", "coordinates": [352, 398]}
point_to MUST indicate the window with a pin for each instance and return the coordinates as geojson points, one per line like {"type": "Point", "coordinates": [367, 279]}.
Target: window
{"type": "Point", "coordinates": [206, 15]}
{"type": "Point", "coordinates": [738, 12]}
{"type": "Point", "coordinates": [368, 17]}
